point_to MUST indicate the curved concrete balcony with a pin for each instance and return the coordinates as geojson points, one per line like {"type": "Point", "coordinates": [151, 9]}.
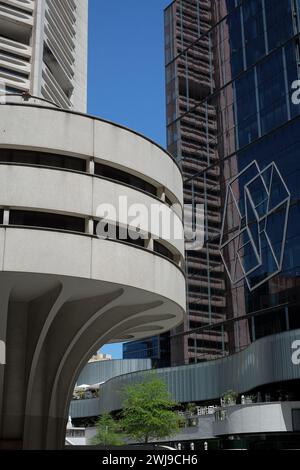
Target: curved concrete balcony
{"type": "Point", "coordinates": [64, 291]}
{"type": "Point", "coordinates": [76, 194]}
{"type": "Point", "coordinates": [12, 80]}
{"type": "Point", "coordinates": [15, 64]}
{"type": "Point", "coordinates": [15, 47]}
{"type": "Point", "coordinates": [14, 16]}
{"type": "Point", "coordinates": [15, 23]}
{"type": "Point", "coordinates": [27, 5]}
{"type": "Point", "coordinates": [52, 253]}
{"type": "Point", "coordinates": [78, 135]}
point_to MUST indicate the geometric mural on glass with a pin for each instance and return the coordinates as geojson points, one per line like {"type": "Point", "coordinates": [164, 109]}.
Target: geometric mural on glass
{"type": "Point", "coordinates": [254, 225]}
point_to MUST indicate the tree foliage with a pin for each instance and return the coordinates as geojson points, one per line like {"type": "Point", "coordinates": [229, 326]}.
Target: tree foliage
{"type": "Point", "coordinates": [108, 432]}
{"type": "Point", "coordinates": [148, 410]}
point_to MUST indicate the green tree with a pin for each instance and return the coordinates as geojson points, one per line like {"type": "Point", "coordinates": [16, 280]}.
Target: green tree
{"type": "Point", "coordinates": [230, 397]}
{"type": "Point", "coordinates": [148, 410]}
{"type": "Point", "coordinates": [108, 432]}
{"type": "Point", "coordinates": [191, 408]}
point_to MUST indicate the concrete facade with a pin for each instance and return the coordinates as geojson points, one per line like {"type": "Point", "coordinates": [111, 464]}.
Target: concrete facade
{"type": "Point", "coordinates": [43, 50]}
{"type": "Point", "coordinates": [64, 291]}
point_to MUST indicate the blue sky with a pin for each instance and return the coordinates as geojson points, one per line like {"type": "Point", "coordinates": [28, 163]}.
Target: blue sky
{"type": "Point", "coordinates": [126, 69]}
{"type": "Point", "coordinates": [126, 64]}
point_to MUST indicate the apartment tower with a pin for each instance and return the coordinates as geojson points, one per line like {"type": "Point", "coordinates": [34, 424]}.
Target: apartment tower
{"type": "Point", "coordinates": [43, 50]}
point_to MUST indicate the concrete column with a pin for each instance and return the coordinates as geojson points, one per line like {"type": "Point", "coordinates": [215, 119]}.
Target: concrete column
{"type": "Point", "coordinates": [149, 244]}
{"type": "Point", "coordinates": [161, 194]}
{"type": "Point", "coordinates": [89, 226]}
{"type": "Point", "coordinates": [178, 260]}
{"type": "Point", "coordinates": [4, 299]}
{"type": "Point", "coordinates": [5, 217]}
{"type": "Point", "coordinates": [90, 166]}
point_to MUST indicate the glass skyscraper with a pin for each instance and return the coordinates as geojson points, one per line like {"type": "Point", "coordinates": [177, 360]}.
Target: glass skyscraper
{"type": "Point", "coordinates": [233, 124]}
{"type": "Point", "coordinates": [156, 348]}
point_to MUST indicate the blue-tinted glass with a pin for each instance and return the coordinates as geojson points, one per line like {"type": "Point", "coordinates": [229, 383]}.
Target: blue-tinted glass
{"type": "Point", "coordinates": [248, 258]}
{"type": "Point", "coordinates": [268, 262]}
{"type": "Point", "coordinates": [275, 226]}
{"type": "Point", "coordinates": [246, 109]}
{"type": "Point", "coordinates": [292, 74]}
{"type": "Point", "coordinates": [282, 147]}
{"type": "Point", "coordinates": [292, 251]}
{"type": "Point", "coordinates": [258, 195]}
{"type": "Point", "coordinates": [272, 92]}
{"type": "Point", "coordinates": [254, 31]}
{"type": "Point", "coordinates": [298, 13]}
{"type": "Point", "coordinates": [291, 259]}
{"type": "Point", "coordinates": [143, 349]}
{"type": "Point", "coordinates": [236, 44]}
{"type": "Point", "coordinates": [279, 19]}
{"type": "Point", "coordinates": [231, 4]}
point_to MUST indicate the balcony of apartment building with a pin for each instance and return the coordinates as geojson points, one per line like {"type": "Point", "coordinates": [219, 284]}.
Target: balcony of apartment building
{"type": "Point", "coordinates": [15, 48]}
{"type": "Point", "coordinates": [17, 67]}
{"type": "Point", "coordinates": [60, 28]}
{"type": "Point", "coordinates": [53, 91]}
{"type": "Point", "coordinates": [14, 80]}
{"type": "Point", "coordinates": [59, 53]}
{"type": "Point", "coordinates": [64, 35]}
{"type": "Point", "coordinates": [25, 5]}
{"type": "Point", "coordinates": [16, 22]}
{"type": "Point", "coordinates": [16, 19]}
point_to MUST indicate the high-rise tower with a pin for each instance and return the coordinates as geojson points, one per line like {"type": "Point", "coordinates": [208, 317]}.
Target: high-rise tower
{"type": "Point", "coordinates": [232, 68]}
{"type": "Point", "coordinates": [192, 139]}
{"type": "Point", "coordinates": [43, 50]}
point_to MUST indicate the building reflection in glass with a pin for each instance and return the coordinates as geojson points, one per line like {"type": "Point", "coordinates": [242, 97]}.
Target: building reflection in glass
{"type": "Point", "coordinates": [229, 70]}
